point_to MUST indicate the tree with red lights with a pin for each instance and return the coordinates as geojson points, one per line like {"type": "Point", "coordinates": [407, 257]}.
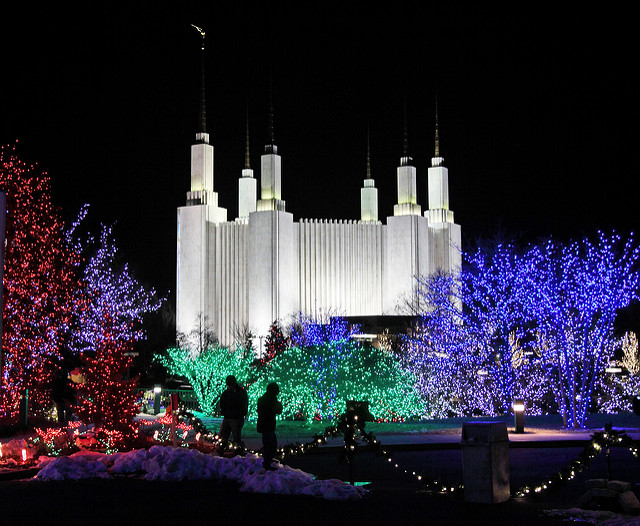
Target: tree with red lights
{"type": "Point", "coordinates": [107, 398]}
{"type": "Point", "coordinates": [39, 286]}
{"type": "Point", "coordinates": [275, 344]}
{"type": "Point", "coordinates": [106, 327]}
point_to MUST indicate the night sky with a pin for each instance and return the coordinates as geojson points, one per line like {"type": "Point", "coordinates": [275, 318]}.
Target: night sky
{"type": "Point", "coordinates": [535, 110]}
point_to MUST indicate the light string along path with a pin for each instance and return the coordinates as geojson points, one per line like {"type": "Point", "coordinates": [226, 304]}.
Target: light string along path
{"type": "Point", "coordinates": [352, 426]}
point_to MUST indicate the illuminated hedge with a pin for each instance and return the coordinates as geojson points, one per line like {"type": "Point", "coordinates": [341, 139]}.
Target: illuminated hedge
{"type": "Point", "coordinates": [206, 371]}
{"type": "Point", "coordinates": [316, 381]}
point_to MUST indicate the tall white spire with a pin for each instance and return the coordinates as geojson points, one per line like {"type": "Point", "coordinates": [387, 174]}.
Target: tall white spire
{"type": "Point", "coordinates": [202, 158]}
{"type": "Point", "coordinates": [368, 193]}
{"type": "Point", "coordinates": [247, 189]}
{"type": "Point", "coordinates": [438, 182]}
{"type": "Point", "coordinates": [407, 194]}
{"type": "Point", "coordinates": [436, 160]}
{"type": "Point", "coordinates": [271, 172]}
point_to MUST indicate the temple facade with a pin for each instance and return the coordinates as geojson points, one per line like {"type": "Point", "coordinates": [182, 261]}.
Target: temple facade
{"type": "Point", "coordinates": [264, 265]}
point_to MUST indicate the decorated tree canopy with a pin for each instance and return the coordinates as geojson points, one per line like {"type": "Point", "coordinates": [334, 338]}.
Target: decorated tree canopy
{"type": "Point", "coordinates": [206, 371]}
{"type": "Point", "coordinates": [317, 380]}
{"type": "Point", "coordinates": [536, 324]}
{"type": "Point", "coordinates": [107, 398]}
{"type": "Point", "coordinates": [107, 289]}
{"type": "Point", "coordinates": [40, 286]}
{"type": "Point", "coordinates": [580, 288]}
{"type": "Point", "coordinates": [275, 344]}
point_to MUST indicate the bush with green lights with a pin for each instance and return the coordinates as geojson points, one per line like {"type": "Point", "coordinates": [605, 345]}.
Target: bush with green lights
{"type": "Point", "coordinates": [317, 373]}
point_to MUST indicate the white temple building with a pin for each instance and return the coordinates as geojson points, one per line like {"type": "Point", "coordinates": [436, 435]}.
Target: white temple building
{"type": "Point", "coordinates": [264, 265]}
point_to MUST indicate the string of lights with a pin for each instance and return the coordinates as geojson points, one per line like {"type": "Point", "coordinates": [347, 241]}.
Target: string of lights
{"type": "Point", "coordinates": [601, 441]}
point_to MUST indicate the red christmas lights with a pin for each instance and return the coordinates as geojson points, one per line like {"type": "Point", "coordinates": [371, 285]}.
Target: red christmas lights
{"type": "Point", "coordinates": [39, 287]}
{"type": "Point", "coordinates": [107, 398]}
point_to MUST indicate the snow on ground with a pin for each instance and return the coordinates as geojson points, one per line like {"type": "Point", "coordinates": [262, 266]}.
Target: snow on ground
{"type": "Point", "coordinates": [169, 464]}
{"type": "Point", "coordinates": [599, 517]}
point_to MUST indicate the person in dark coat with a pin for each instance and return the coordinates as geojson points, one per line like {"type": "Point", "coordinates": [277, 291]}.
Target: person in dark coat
{"type": "Point", "coordinates": [268, 408]}
{"type": "Point", "coordinates": [234, 405]}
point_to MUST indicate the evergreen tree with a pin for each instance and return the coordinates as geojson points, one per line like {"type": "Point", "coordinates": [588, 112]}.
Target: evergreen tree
{"type": "Point", "coordinates": [107, 323]}
{"type": "Point", "coordinates": [317, 380]}
{"type": "Point", "coordinates": [107, 398]}
{"type": "Point", "coordinates": [207, 371]}
{"type": "Point", "coordinates": [276, 343]}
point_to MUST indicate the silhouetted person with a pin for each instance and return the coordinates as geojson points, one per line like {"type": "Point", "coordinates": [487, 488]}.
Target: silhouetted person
{"type": "Point", "coordinates": [234, 405]}
{"type": "Point", "coordinates": [268, 408]}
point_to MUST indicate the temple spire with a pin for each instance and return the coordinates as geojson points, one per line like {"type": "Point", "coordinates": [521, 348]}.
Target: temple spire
{"type": "Point", "coordinates": [437, 149]}
{"type": "Point", "coordinates": [405, 160]}
{"type": "Point", "coordinates": [247, 157]}
{"type": "Point", "coordinates": [271, 146]}
{"type": "Point", "coordinates": [368, 156]}
{"type": "Point", "coordinates": [406, 131]}
{"type": "Point", "coordinates": [368, 192]}
{"type": "Point", "coordinates": [203, 104]}
{"type": "Point", "coordinates": [437, 160]}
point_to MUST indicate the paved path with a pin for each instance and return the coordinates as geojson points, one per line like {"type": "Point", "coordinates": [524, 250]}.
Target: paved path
{"type": "Point", "coordinates": [395, 494]}
{"type": "Point", "coordinates": [452, 440]}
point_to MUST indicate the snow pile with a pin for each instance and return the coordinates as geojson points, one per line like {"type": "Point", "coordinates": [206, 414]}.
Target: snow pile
{"type": "Point", "coordinates": [600, 517]}
{"type": "Point", "coordinates": [168, 464]}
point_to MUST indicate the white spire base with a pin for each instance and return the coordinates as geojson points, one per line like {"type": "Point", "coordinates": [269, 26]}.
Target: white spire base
{"type": "Point", "coordinates": [265, 205]}
{"type": "Point", "coordinates": [247, 193]}
{"type": "Point", "coordinates": [407, 198]}
{"type": "Point", "coordinates": [369, 201]}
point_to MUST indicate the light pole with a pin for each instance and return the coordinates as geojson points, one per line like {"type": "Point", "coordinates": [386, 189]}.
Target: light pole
{"type": "Point", "coordinates": [518, 411]}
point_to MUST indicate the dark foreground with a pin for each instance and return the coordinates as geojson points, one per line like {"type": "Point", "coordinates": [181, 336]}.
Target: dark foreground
{"type": "Point", "coordinates": [394, 497]}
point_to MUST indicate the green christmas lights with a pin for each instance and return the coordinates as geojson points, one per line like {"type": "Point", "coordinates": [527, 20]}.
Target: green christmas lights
{"type": "Point", "coordinates": [316, 381]}
{"type": "Point", "coordinates": [206, 371]}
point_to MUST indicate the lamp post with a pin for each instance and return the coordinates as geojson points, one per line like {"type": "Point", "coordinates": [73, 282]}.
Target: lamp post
{"type": "Point", "coordinates": [518, 411]}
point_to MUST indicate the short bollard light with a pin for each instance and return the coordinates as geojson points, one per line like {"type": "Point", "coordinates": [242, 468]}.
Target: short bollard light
{"type": "Point", "coordinates": [157, 390]}
{"type": "Point", "coordinates": [518, 411]}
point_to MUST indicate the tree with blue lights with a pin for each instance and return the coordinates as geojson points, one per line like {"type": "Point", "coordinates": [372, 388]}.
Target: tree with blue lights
{"type": "Point", "coordinates": [580, 286]}
{"type": "Point", "coordinates": [531, 320]}
{"type": "Point", "coordinates": [496, 289]}
{"type": "Point", "coordinates": [469, 345]}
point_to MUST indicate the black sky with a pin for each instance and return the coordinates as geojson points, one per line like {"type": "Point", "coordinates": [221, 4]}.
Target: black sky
{"type": "Point", "coordinates": [537, 111]}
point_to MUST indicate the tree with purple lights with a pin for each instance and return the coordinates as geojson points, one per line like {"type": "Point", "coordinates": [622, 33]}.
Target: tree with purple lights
{"type": "Point", "coordinates": [108, 321]}
{"type": "Point", "coordinates": [108, 289]}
